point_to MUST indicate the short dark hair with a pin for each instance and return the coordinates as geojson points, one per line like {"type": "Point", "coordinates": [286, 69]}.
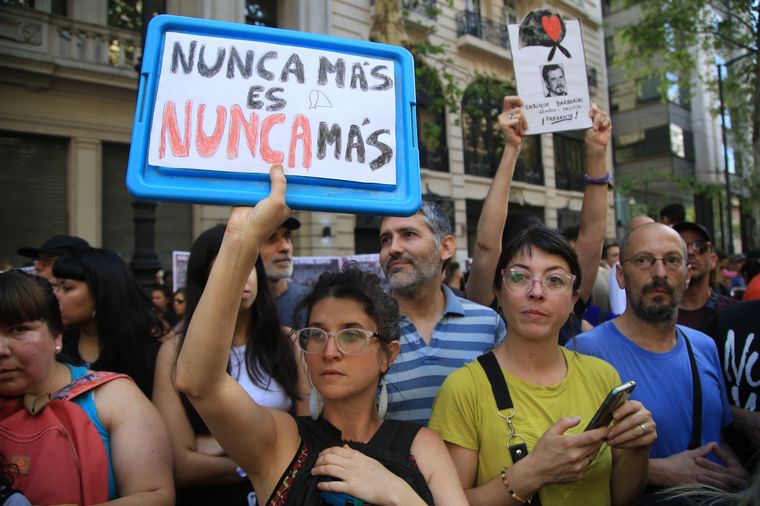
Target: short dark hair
{"type": "Point", "coordinates": [27, 298]}
{"type": "Point", "coordinates": [675, 212]}
{"type": "Point", "coordinates": [362, 287]}
{"type": "Point", "coordinates": [571, 233]}
{"type": "Point", "coordinates": [545, 239]}
{"type": "Point", "coordinates": [548, 68]}
{"type": "Point", "coordinates": [607, 248]}
{"type": "Point", "coordinates": [164, 290]}
{"type": "Point", "coordinates": [451, 268]}
{"type": "Point", "coordinates": [518, 221]}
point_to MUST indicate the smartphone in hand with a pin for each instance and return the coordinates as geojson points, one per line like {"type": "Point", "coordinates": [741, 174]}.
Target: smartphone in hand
{"type": "Point", "coordinates": [616, 397]}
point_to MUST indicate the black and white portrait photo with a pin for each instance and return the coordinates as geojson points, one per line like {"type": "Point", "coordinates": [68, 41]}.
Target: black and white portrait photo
{"type": "Point", "coordinates": [555, 84]}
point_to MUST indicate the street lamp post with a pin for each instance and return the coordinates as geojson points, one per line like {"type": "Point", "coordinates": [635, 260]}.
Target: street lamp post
{"type": "Point", "coordinates": [729, 217]}
{"type": "Point", "coordinates": [726, 174]}
{"type": "Point", "coordinates": [145, 262]}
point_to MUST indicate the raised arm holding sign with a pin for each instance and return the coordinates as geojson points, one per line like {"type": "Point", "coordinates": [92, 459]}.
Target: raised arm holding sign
{"type": "Point", "coordinates": [220, 102]}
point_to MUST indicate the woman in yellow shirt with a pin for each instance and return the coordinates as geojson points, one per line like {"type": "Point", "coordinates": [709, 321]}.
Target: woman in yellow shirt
{"type": "Point", "coordinates": [554, 392]}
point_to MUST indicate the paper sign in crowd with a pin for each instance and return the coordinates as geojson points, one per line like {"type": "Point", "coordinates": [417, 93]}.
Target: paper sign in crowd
{"type": "Point", "coordinates": [225, 104]}
{"type": "Point", "coordinates": [550, 71]}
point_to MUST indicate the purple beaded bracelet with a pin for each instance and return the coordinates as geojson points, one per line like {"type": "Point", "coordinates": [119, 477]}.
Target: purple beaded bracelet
{"type": "Point", "coordinates": [597, 180]}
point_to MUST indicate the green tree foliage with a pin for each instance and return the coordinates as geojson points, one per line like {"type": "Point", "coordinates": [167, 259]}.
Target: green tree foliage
{"type": "Point", "coordinates": [677, 41]}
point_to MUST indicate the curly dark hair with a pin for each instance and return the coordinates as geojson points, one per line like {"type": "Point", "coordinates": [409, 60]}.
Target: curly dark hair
{"type": "Point", "coordinates": [362, 287]}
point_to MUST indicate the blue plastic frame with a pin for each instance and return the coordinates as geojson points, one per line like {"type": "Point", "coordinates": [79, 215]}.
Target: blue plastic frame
{"type": "Point", "coordinates": [150, 182]}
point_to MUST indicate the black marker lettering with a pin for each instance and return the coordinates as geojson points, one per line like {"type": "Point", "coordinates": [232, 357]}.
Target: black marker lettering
{"type": "Point", "coordinates": [277, 102]}
{"type": "Point", "coordinates": [253, 94]}
{"type": "Point", "coordinates": [178, 56]}
{"type": "Point", "coordinates": [387, 82]}
{"type": "Point", "coordinates": [325, 136]}
{"type": "Point", "coordinates": [246, 69]}
{"type": "Point", "coordinates": [293, 66]}
{"type": "Point", "coordinates": [204, 69]}
{"type": "Point", "coordinates": [357, 74]}
{"type": "Point", "coordinates": [261, 70]}
{"type": "Point", "coordinates": [356, 142]}
{"type": "Point", "coordinates": [385, 150]}
{"type": "Point", "coordinates": [339, 69]}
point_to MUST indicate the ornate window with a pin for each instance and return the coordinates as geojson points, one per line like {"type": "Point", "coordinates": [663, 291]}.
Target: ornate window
{"type": "Point", "coordinates": [483, 142]}
{"type": "Point", "coordinates": [431, 120]}
{"type": "Point", "coordinates": [263, 13]}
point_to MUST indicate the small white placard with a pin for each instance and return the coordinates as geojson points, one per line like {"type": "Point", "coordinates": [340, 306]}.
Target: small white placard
{"type": "Point", "coordinates": [179, 269]}
{"type": "Point", "coordinates": [554, 92]}
{"type": "Point", "coordinates": [239, 106]}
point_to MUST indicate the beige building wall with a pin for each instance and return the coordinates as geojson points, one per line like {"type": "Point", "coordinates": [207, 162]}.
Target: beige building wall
{"type": "Point", "coordinates": [56, 79]}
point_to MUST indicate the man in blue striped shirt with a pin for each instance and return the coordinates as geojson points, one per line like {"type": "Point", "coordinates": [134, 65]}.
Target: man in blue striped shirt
{"type": "Point", "coordinates": [440, 332]}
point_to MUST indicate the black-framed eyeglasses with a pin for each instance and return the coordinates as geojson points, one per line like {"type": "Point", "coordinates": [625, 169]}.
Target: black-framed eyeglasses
{"type": "Point", "coordinates": [699, 246]}
{"type": "Point", "coordinates": [644, 261]}
{"type": "Point", "coordinates": [348, 341]}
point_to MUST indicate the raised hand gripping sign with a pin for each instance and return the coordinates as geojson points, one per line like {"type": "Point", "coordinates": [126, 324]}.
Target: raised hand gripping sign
{"type": "Point", "coordinates": [219, 103]}
{"type": "Point", "coordinates": [550, 70]}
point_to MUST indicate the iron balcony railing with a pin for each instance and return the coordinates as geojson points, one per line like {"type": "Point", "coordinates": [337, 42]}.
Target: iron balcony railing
{"type": "Point", "coordinates": [472, 23]}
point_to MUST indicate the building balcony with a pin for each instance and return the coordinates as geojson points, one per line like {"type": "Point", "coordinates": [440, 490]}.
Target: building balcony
{"type": "Point", "coordinates": [480, 33]}
{"type": "Point", "coordinates": [421, 7]}
{"type": "Point", "coordinates": [44, 43]}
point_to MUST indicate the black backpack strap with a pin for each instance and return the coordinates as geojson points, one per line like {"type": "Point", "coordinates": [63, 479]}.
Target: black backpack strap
{"type": "Point", "coordinates": [496, 379]}
{"type": "Point", "coordinates": [696, 414]}
{"type": "Point", "coordinates": [708, 312]}
{"type": "Point", "coordinates": [503, 400]}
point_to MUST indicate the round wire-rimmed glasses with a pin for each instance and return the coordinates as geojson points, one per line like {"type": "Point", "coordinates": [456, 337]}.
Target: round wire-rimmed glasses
{"type": "Point", "coordinates": [349, 341]}
{"type": "Point", "coordinates": [520, 282]}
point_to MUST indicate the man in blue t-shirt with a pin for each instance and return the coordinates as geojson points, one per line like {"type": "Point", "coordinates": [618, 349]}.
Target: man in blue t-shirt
{"type": "Point", "coordinates": [646, 345]}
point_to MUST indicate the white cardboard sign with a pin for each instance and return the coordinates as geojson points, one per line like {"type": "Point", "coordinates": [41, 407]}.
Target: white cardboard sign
{"type": "Point", "coordinates": [234, 105]}
{"type": "Point", "coordinates": [550, 70]}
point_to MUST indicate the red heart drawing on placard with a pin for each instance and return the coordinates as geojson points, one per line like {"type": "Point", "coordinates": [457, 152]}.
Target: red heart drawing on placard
{"type": "Point", "coordinates": [552, 27]}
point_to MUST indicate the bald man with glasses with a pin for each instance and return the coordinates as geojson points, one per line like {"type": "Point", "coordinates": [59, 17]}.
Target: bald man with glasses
{"type": "Point", "coordinates": [677, 369]}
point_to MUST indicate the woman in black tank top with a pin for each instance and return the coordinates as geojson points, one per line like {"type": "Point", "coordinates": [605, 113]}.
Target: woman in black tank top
{"type": "Point", "coordinates": [345, 451]}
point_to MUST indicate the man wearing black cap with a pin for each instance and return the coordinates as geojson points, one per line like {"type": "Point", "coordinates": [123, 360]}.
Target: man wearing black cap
{"type": "Point", "coordinates": [277, 255]}
{"type": "Point", "coordinates": [46, 255]}
{"type": "Point", "coordinates": [700, 303]}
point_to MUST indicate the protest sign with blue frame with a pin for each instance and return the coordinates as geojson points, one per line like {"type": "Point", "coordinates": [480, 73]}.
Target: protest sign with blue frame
{"type": "Point", "coordinates": [219, 103]}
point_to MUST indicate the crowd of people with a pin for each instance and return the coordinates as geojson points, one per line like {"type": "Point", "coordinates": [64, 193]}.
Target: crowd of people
{"type": "Point", "coordinates": [432, 386]}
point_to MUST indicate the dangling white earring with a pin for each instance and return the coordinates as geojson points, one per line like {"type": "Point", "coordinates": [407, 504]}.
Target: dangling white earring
{"type": "Point", "coordinates": [94, 312]}
{"type": "Point", "coordinates": [315, 403]}
{"type": "Point", "coordinates": [382, 400]}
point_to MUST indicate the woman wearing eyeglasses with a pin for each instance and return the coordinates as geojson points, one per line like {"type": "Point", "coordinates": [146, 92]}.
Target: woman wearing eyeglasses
{"type": "Point", "coordinates": [537, 447]}
{"type": "Point", "coordinates": [344, 450]}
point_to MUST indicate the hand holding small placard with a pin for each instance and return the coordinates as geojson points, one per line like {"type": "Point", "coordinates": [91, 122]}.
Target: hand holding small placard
{"type": "Point", "coordinates": [550, 70]}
